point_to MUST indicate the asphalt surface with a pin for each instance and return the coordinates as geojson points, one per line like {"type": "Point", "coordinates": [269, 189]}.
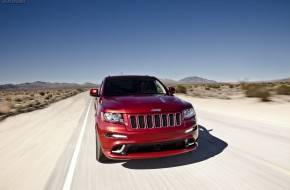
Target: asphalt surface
{"type": "Point", "coordinates": [233, 153]}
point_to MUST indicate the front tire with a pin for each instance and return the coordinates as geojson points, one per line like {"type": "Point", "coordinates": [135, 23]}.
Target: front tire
{"type": "Point", "coordinates": [100, 156]}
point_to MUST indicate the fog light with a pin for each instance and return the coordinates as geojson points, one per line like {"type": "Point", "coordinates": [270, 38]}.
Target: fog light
{"type": "Point", "coordinates": [189, 130]}
{"type": "Point", "coordinates": [117, 136]}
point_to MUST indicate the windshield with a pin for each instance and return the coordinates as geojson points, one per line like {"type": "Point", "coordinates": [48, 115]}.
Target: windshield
{"type": "Point", "coordinates": [132, 86]}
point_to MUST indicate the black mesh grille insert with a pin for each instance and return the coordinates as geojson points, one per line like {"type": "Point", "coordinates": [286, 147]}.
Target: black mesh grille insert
{"type": "Point", "coordinates": [141, 122]}
{"type": "Point", "coordinates": [171, 119]}
{"type": "Point", "coordinates": [178, 119]}
{"type": "Point", "coordinates": [157, 121]}
{"type": "Point", "coordinates": [149, 121]}
{"type": "Point", "coordinates": [133, 122]}
{"type": "Point", "coordinates": [164, 120]}
{"type": "Point", "coordinates": [165, 146]}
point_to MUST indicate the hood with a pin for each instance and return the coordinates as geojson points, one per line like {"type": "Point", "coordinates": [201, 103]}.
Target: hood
{"type": "Point", "coordinates": [144, 104]}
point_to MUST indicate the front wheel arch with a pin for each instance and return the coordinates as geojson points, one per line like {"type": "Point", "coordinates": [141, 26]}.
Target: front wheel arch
{"type": "Point", "coordinates": [100, 156]}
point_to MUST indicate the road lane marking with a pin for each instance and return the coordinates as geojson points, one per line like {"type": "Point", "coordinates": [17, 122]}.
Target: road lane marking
{"type": "Point", "coordinates": [70, 173]}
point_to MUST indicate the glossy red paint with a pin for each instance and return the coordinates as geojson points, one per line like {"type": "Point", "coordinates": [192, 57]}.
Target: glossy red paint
{"type": "Point", "coordinates": [138, 142]}
{"type": "Point", "coordinates": [94, 92]}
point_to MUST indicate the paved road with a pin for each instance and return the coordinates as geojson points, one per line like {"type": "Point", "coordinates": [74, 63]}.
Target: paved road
{"type": "Point", "coordinates": [31, 143]}
{"type": "Point", "coordinates": [36, 150]}
{"type": "Point", "coordinates": [233, 153]}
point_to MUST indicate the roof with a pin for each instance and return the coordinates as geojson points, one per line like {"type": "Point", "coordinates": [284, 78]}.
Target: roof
{"type": "Point", "coordinates": [131, 76]}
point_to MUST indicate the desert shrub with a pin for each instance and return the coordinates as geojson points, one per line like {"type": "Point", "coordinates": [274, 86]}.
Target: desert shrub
{"type": "Point", "coordinates": [271, 84]}
{"type": "Point", "coordinates": [231, 86]}
{"type": "Point", "coordinates": [42, 93]}
{"type": "Point", "coordinates": [8, 99]}
{"type": "Point", "coordinates": [207, 88]}
{"type": "Point", "coordinates": [189, 87]}
{"type": "Point", "coordinates": [245, 86]}
{"type": "Point", "coordinates": [18, 100]}
{"type": "Point", "coordinates": [257, 91]}
{"type": "Point", "coordinates": [283, 90]}
{"type": "Point", "coordinates": [214, 86]}
{"type": "Point", "coordinates": [264, 96]}
{"type": "Point", "coordinates": [181, 89]}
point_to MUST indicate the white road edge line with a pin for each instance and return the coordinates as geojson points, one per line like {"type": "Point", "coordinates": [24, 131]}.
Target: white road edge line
{"type": "Point", "coordinates": [70, 173]}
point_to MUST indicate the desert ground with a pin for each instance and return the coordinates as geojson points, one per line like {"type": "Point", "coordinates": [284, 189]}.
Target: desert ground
{"type": "Point", "coordinates": [13, 102]}
{"type": "Point", "coordinates": [266, 92]}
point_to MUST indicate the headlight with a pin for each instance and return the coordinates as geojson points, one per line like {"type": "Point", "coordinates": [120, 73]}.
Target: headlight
{"type": "Point", "coordinates": [114, 117]}
{"type": "Point", "coordinates": [188, 113]}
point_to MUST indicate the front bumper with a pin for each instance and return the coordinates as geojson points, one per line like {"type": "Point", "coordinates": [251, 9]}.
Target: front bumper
{"type": "Point", "coordinates": [149, 143]}
{"type": "Point", "coordinates": [151, 150]}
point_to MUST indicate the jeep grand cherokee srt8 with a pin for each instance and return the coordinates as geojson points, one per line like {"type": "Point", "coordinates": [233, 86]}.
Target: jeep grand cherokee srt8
{"type": "Point", "coordinates": [138, 117]}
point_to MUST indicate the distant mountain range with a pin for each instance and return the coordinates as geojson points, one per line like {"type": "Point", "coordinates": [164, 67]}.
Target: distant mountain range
{"type": "Point", "coordinates": [47, 85]}
{"type": "Point", "coordinates": [199, 80]}
{"type": "Point", "coordinates": [281, 80]}
{"type": "Point", "coordinates": [189, 80]}
{"type": "Point", "coordinates": [44, 85]}
{"type": "Point", "coordinates": [271, 81]}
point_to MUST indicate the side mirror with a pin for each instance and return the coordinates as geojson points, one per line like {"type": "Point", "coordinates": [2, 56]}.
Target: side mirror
{"type": "Point", "coordinates": [94, 92]}
{"type": "Point", "coordinates": [171, 91]}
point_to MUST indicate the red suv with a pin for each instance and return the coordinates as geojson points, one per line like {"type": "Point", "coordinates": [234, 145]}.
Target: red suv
{"type": "Point", "coordinates": [138, 117]}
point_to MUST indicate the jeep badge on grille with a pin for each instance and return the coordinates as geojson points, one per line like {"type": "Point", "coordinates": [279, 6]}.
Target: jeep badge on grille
{"type": "Point", "coordinates": [155, 110]}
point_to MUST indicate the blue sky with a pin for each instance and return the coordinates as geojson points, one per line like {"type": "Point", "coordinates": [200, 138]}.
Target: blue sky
{"type": "Point", "coordinates": [80, 41]}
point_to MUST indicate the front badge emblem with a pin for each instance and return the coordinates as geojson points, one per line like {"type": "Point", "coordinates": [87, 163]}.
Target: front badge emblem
{"type": "Point", "coordinates": [155, 110]}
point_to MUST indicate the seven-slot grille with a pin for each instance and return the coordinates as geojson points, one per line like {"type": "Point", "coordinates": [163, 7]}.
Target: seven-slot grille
{"type": "Point", "coordinates": [155, 121]}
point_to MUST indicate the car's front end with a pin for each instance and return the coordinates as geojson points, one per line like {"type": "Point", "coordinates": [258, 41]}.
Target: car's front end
{"type": "Point", "coordinates": [148, 135]}
{"type": "Point", "coordinates": [138, 123]}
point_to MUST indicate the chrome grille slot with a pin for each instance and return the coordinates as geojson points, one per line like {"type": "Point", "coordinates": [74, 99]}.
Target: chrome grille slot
{"type": "Point", "coordinates": [148, 121]}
